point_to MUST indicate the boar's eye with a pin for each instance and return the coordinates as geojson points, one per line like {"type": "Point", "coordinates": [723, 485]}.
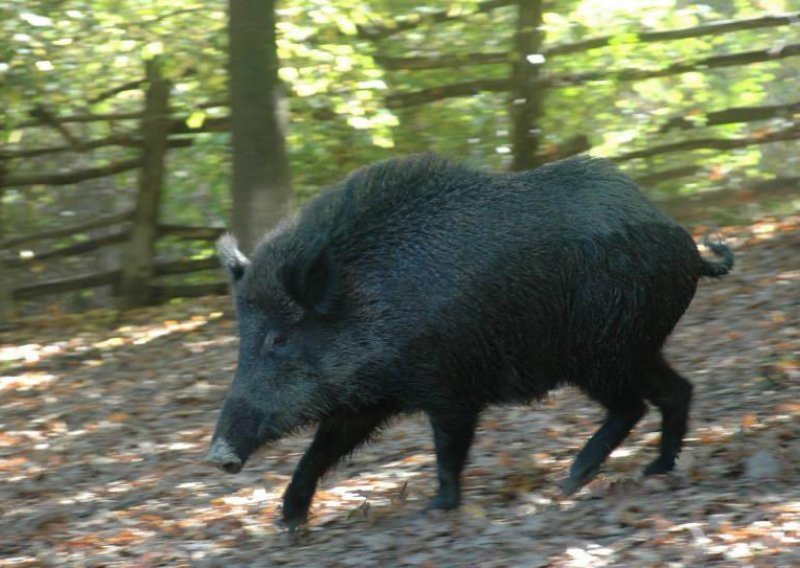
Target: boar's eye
{"type": "Point", "coordinates": [279, 339]}
{"type": "Point", "coordinates": [275, 339]}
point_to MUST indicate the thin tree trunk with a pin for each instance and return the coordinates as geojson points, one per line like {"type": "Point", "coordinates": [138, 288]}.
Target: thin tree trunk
{"type": "Point", "coordinates": [135, 285]}
{"type": "Point", "coordinates": [261, 185]}
{"type": "Point", "coordinates": [6, 281]}
{"type": "Point", "coordinates": [527, 93]}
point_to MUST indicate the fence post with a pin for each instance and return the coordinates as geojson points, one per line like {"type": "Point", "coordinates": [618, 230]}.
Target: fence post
{"type": "Point", "coordinates": [135, 286]}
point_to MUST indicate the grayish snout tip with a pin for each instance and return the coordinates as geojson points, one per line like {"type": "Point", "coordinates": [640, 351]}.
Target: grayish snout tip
{"type": "Point", "coordinates": [222, 455]}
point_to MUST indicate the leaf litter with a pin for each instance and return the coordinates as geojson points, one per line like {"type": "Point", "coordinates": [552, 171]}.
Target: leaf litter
{"type": "Point", "coordinates": [103, 426]}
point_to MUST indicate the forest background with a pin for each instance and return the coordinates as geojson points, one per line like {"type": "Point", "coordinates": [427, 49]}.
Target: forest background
{"type": "Point", "coordinates": [133, 133]}
{"type": "Point", "coordinates": [118, 168]}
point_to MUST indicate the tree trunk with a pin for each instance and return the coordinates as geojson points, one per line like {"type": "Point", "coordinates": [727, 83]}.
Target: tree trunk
{"type": "Point", "coordinates": [526, 95]}
{"type": "Point", "coordinates": [261, 186]}
{"type": "Point", "coordinates": [135, 286]}
{"type": "Point", "coordinates": [6, 281]}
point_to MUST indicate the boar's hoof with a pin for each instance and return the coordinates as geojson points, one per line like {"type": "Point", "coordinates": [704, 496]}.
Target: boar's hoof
{"type": "Point", "coordinates": [231, 466]}
{"type": "Point", "coordinates": [293, 521]}
{"type": "Point", "coordinates": [659, 465]}
{"type": "Point", "coordinates": [577, 480]}
{"type": "Point", "coordinates": [296, 504]}
{"type": "Point", "coordinates": [222, 456]}
{"type": "Point", "coordinates": [570, 486]}
{"type": "Point", "coordinates": [442, 503]}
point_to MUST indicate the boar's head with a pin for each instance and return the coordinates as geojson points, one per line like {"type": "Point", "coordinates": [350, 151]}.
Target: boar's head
{"type": "Point", "coordinates": [296, 344]}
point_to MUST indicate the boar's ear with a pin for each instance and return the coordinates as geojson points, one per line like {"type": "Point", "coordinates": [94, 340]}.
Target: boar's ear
{"type": "Point", "coordinates": [311, 278]}
{"type": "Point", "coordinates": [231, 257]}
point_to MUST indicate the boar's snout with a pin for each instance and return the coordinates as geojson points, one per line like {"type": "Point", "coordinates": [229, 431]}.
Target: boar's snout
{"type": "Point", "coordinates": [222, 455]}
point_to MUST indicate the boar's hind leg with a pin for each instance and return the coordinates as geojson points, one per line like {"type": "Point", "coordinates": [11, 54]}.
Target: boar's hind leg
{"type": "Point", "coordinates": [671, 393]}
{"type": "Point", "coordinates": [336, 437]}
{"type": "Point", "coordinates": [623, 414]}
{"type": "Point", "coordinates": [452, 436]}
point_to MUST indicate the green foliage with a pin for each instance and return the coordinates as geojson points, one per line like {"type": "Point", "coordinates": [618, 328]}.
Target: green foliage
{"type": "Point", "coordinates": [70, 56]}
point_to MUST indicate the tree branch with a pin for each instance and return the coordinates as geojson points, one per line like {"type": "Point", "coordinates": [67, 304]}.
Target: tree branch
{"type": "Point", "coordinates": [65, 231]}
{"type": "Point", "coordinates": [107, 94]}
{"type": "Point", "coordinates": [48, 118]}
{"type": "Point", "coordinates": [732, 116]}
{"type": "Point", "coordinates": [791, 133]}
{"type": "Point", "coordinates": [69, 284]}
{"type": "Point", "coordinates": [71, 250]}
{"type": "Point", "coordinates": [65, 178]}
{"type": "Point", "coordinates": [184, 232]}
{"type": "Point", "coordinates": [727, 60]}
{"type": "Point", "coordinates": [111, 116]}
{"type": "Point", "coordinates": [125, 140]}
{"type": "Point", "coordinates": [413, 98]}
{"type": "Point", "coordinates": [713, 28]}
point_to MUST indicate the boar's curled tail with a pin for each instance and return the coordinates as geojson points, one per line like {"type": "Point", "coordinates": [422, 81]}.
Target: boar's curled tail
{"type": "Point", "coordinates": [717, 269]}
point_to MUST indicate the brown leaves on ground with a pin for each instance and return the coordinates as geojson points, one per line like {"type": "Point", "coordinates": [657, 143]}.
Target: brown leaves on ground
{"type": "Point", "coordinates": [103, 427]}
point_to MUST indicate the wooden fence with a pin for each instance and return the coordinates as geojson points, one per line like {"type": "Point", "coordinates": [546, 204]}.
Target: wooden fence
{"type": "Point", "coordinates": [138, 279]}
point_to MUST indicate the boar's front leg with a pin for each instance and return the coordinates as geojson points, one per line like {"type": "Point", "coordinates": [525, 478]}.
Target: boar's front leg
{"type": "Point", "coordinates": [452, 436]}
{"type": "Point", "coordinates": [336, 437]}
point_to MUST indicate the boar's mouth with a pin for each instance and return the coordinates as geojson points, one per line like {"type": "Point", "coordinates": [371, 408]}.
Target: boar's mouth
{"type": "Point", "coordinates": [230, 451]}
{"type": "Point", "coordinates": [241, 429]}
{"type": "Point", "coordinates": [222, 455]}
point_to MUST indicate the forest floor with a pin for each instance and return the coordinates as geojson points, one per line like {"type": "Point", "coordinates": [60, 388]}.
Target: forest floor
{"type": "Point", "coordinates": [103, 425]}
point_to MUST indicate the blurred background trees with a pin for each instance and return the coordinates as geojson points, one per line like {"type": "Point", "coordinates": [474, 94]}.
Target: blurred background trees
{"type": "Point", "coordinates": [696, 100]}
{"type": "Point", "coordinates": [260, 185]}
